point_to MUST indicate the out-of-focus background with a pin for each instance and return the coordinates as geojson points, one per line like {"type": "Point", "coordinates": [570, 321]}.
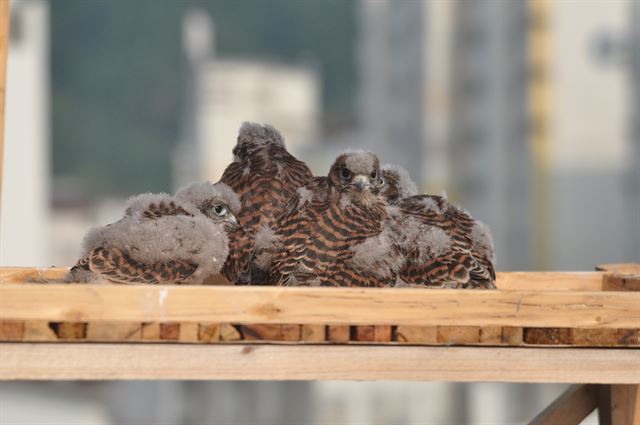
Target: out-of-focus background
{"type": "Point", "coordinates": [526, 113]}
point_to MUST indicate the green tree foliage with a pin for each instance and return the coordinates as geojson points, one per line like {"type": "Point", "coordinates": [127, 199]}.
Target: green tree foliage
{"type": "Point", "coordinates": [118, 76]}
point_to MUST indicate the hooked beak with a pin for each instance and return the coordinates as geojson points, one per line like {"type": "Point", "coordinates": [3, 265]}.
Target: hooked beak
{"type": "Point", "coordinates": [361, 182]}
{"type": "Point", "coordinates": [232, 222]}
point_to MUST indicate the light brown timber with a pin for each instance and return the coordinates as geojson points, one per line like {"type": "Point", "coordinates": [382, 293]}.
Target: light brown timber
{"type": "Point", "coordinates": [338, 333]}
{"type": "Point", "coordinates": [82, 303]}
{"type": "Point", "coordinates": [625, 404]}
{"type": "Point", "coordinates": [573, 405]}
{"type": "Point", "coordinates": [310, 362]}
{"type": "Point", "coordinates": [542, 281]}
{"type": "Point", "coordinates": [314, 333]}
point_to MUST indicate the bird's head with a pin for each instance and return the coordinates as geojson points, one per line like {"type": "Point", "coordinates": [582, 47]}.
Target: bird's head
{"type": "Point", "coordinates": [255, 137]}
{"type": "Point", "coordinates": [356, 172]}
{"type": "Point", "coordinates": [216, 201]}
{"type": "Point", "coordinates": [396, 184]}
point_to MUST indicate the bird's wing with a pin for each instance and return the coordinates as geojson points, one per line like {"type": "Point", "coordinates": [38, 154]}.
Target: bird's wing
{"type": "Point", "coordinates": [264, 180]}
{"type": "Point", "coordinates": [118, 266]}
{"type": "Point", "coordinates": [461, 264]}
{"type": "Point", "coordinates": [163, 209]}
{"type": "Point", "coordinates": [80, 272]}
{"type": "Point", "coordinates": [292, 229]}
{"type": "Point", "coordinates": [234, 177]}
{"type": "Point", "coordinates": [237, 266]}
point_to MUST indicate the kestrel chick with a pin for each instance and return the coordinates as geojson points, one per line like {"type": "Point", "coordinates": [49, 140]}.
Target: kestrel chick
{"type": "Point", "coordinates": [264, 175]}
{"type": "Point", "coordinates": [325, 224]}
{"type": "Point", "coordinates": [396, 184]}
{"type": "Point", "coordinates": [442, 245]}
{"type": "Point", "coordinates": [162, 238]}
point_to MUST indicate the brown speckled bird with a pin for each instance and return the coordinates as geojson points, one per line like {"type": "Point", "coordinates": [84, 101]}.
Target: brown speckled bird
{"type": "Point", "coordinates": [330, 230]}
{"type": "Point", "coordinates": [264, 175]}
{"type": "Point", "coordinates": [162, 239]}
{"type": "Point", "coordinates": [442, 245]}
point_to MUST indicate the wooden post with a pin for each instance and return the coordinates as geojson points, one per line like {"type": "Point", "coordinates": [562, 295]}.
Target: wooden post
{"type": "Point", "coordinates": [619, 404]}
{"type": "Point", "coordinates": [575, 404]}
{"type": "Point", "coordinates": [4, 48]}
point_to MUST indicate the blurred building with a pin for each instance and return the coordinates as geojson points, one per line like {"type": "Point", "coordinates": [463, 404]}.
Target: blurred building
{"type": "Point", "coordinates": [450, 91]}
{"type": "Point", "coordinates": [633, 180]}
{"type": "Point", "coordinates": [443, 93]}
{"type": "Point", "coordinates": [225, 92]}
{"type": "Point", "coordinates": [590, 150]}
{"type": "Point", "coordinates": [491, 168]}
{"type": "Point", "coordinates": [24, 227]}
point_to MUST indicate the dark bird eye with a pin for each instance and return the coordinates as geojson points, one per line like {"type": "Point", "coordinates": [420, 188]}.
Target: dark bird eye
{"type": "Point", "coordinates": [374, 174]}
{"type": "Point", "coordinates": [219, 209]}
{"type": "Point", "coordinates": [345, 174]}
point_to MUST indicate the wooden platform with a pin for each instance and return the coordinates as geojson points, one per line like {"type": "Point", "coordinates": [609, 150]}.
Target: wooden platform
{"type": "Point", "coordinates": [530, 309]}
{"type": "Point", "coordinates": [309, 362]}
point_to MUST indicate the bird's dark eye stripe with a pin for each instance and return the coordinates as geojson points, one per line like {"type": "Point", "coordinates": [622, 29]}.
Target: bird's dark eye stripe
{"type": "Point", "coordinates": [374, 174]}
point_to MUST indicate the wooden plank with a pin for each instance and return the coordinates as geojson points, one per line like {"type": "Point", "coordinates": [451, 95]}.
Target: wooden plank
{"type": "Point", "coordinates": [458, 335]}
{"type": "Point", "coordinates": [417, 334]}
{"type": "Point", "coordinates": [622, 268]}
{"type": "Point", "coordinates": [379, 333]}
{"type": "Point", "coordinates": [625, 405]}
{"type": "Point", "coordinates": [571, 408]}
{"type": "Point", "coordinates": [619, 404]}
{"type": "Point", "coordinates": [594, 337]}
{"type": "Point", "coordinates": [382, 333]}
{"type": "Point", "coordinates": [150, 331]}
{"type": "Point", "coordinates": [229, 332]}
{"type": "Point", "coordinates": [314, 333]}
{"type": "Point", "coordinates": [619, 282]}
{"type": "Point", "coordinates": [490, 335]}
{"type": "Point", "coordinates": [208, 332]}
{"type": "Point", "coordinates": [364, 333]}
{"type": "Point", "coordinates": [520, 281]}
{"type": "Point", "coordinates": [12, 330]}
{"type": "Point", "coordinates": [257, 332]}
{"type": "Point", "coordinates": [4, 53]}
{"type": "Point", "coordinates": [547, 336]}
{"type": "Point", "coordinates": [188, 332]}
{"type": "Point", "coordinates": [549, 281]}
{"type": "Point", "coordinates": [32, 275]}
{"type": "Point", "coordinates": [604, 337]}
{"type": "Point", "coordinates": [69, 330]}
{"type": "Point", "coordinates": [67, 361]}
{"type": "Point", "coordinates": [105, 331]}
{"type": "Point", "coordinates": [512, 335]}
{"type": "Point", "coordinates": [38, 330]}
{"type": "Point", "coordinates": [338, 333]}
{"type": "Point", "coordinates": [170, 331]}
{"type": "Point", "coordinates": [319, 305]}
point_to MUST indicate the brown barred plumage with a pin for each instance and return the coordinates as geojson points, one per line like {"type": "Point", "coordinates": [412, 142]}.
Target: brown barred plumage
{"type": "Point", "coordinates": [442, 245]}
{"type": "Point", "coordinates": [117, 266]}
{"type": "Point", "coordinates": [162, 239]}
{"type": "Point", "coordinates": [264, 175]}
{"type": "Point", "coordinates": [325, 223]}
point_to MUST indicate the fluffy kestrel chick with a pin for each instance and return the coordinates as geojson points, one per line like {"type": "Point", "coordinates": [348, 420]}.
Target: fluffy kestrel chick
{"type": "Point", "coordinates": [396, 184]}
{"type": "Point", "coordinates": [163, 239]}
{"type": "Point", "coordinates": [442, 245]}
{"type": "Point", "coordinates": [264, 175]}
{"type": "Point", "coordinates": [325, 224]}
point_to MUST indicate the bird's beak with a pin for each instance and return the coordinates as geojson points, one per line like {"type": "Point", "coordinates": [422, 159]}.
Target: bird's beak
{"type": "Point", "coordinates": [361, 182]}
{"type": "Point", "coordinates": [233, 222]}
